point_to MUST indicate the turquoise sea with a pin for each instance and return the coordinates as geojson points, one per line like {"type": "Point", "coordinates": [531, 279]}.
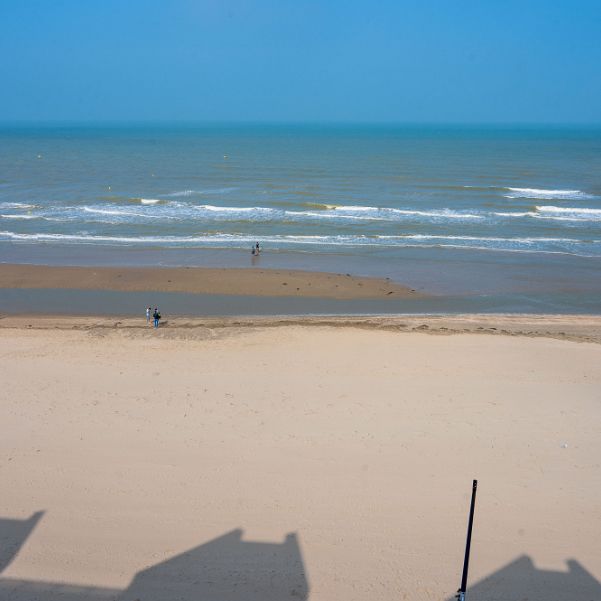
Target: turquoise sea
{"type": "Point", "coordinates": [488, 213]}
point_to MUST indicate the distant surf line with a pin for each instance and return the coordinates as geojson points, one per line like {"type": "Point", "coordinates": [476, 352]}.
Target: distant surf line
{"type": "Point", "coordinates": [490, 243]}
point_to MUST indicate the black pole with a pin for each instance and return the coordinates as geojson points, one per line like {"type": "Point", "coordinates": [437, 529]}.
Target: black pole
{"type": "Point", "coordinates": [468, 544]}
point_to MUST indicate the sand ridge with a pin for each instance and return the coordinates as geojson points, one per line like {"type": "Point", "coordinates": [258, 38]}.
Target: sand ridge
{"type": "Point", "coordinates": [203, 280]}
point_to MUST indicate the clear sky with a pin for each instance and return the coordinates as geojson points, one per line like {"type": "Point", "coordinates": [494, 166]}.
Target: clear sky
{"type": "Point", "coordinates": [491, 61]}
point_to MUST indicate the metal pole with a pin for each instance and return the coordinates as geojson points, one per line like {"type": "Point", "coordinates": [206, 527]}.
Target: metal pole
{"type": "Point", "coordinates": [468, 544]}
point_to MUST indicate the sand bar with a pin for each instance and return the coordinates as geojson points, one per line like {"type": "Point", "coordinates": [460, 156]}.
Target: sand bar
{"type": "Point", "coordinates": [250, 281]}
{"type": "Point", "coordinates": [322, 463]}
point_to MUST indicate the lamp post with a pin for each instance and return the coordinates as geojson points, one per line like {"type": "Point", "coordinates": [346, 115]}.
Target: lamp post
{"type": "Point", "coordinates": [468, 544]}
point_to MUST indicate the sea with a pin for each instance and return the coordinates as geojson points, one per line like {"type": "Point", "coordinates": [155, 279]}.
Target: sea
{"type": "Point", "coordinates": [500, 219]}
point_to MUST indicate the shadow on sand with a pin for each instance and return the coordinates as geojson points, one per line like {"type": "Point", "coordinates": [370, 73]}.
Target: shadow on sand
{"type": "Point", "coordinates": [521, 580]}
{"type": "Point", "coordinates": [229, 568]}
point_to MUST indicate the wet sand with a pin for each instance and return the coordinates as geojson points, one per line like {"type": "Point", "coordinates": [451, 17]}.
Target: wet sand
{"type": "Point", "coordinates": [199, 280]}
{"type": "Point", "coordinates": [233, 459]}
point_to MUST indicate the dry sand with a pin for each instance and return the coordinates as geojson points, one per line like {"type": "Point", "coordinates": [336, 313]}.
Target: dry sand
{"type": "Point", "coordinates": [145, 448]}
{"type": "Point", "coordinates": [200, 280]}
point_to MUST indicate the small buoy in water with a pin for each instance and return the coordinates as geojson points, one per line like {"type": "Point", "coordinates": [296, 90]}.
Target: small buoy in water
{"type": "Point", "coordinates": [39, 156]}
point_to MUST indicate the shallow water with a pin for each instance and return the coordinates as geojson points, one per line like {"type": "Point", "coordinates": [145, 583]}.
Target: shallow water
{"type": "Point", "coordinates": [114, 303]}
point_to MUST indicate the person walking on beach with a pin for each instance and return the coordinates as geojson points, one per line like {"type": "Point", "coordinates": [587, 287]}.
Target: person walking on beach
{"type": "Point", "coordinates": [156, 316]}
{"type": "Point", "coordinates": [148, 312]}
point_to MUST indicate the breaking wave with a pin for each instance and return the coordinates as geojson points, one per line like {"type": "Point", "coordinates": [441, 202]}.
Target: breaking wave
{"type": "Point", "coordinates": [118, 213]}
{"type": "Point", "coordinates": [21, 217]}
{"type": "Point", "coordinates": [572, 211]}
{"type": "Point", "coordinates": [556, 213]}
{"type": "Point", "coordinates": [547, 194]}
{"type": "Point", "coordinates": [184, 193]}
{"type": "Point", "coordinates": [155, 209]}
{"type": "Point", "coordinates": [16, 205]}
{"type": "Point", "coordinates": [490, 243]}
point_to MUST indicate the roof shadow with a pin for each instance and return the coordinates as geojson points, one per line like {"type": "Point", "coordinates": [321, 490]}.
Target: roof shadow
{"type": "Point", "coordinates": [521, 580]}
{"type": "Point", "coordinates": [226, 569]}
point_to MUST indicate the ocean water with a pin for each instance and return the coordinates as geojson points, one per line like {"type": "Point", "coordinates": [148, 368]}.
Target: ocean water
{"type": "Point", "coordinates": [471, 202]}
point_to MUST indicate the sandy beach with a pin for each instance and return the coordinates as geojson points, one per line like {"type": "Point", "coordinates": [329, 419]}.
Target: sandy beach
{"type": "Point", "coordinates": [233, 459]}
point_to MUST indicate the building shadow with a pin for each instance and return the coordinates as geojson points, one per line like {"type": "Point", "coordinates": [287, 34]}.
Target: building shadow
{"type": "Point", "coordinates": [227, 568]}
{"type": "Point", "coordinates": [13, 534]}
{"type": "Point", "coordinates": [230, 568]}
{"type": "Point", "coordinates": [521, 580]}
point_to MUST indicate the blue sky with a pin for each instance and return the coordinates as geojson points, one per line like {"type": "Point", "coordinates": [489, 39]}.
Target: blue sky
{"type": "Point", "coordinates": [277, 60]}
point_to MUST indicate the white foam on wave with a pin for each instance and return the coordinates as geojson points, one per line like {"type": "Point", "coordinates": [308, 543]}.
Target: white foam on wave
{"type": "Point", "coordinates": [327, 215]}
{"type": "Point", "coordinates": [513, 213]}
{"type": "Point", "coordinates": [556, 213]}
{"type": "Point", "coordinates": [184, 193]}
{"type": "Point", "coordinates": [217, 209]}
{"type": "Point", "coordinates": [354, 208]}
{"type": "Point", "coordinates": [182, 211]}
{"type": "Point", "coordinates": [235, 213]}
{"type": "Point", "coordinates": [21, 216]}
{"type": "Point", "coordinates": [17, 205]}
{"type": "Point", "coordinates": [546, 194]}
{"type": "Point", "coordinates": [573, 214]}
{"type": "Point", "coordinates": [533, 245]}
{"type": "Point", "coordinates": [119, 213]}
{"type": "Point", "coordinates": [569, 210]}
{"type": "Point", "coordinates": [181, 193]}
{"type": "Point", "coordinates": [527, 240]}
{"type": "Point", "coordinates": [389, 213]}
{"type": "Point", "coordinates": [440, 214]}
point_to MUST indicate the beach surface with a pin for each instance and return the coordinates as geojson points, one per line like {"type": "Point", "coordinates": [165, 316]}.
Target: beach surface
{"type": "Point", "coordinates": [199, 280]}
{"type": "Point", "coordinates": [324, 460]}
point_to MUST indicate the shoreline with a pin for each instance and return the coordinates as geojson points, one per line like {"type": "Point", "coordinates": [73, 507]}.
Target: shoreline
{"type": "Point", "coordinates": [581, 328]}
{"type": "Point", "coordinates": [446, 281]}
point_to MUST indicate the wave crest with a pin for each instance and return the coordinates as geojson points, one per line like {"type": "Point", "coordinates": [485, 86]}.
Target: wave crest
{"type": "Point", "coordinates": [547, 194]}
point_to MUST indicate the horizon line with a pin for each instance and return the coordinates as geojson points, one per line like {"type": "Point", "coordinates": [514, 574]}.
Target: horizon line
{"type": "Point", "coordinates": [291, 123]}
